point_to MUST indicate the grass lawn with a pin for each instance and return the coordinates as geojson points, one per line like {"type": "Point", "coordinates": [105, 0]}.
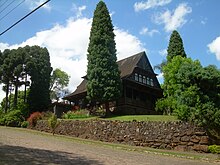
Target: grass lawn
{"type": "Point", "coordinates": [133, 117]}
{"type": "Point", "coordinates": [144, 118]}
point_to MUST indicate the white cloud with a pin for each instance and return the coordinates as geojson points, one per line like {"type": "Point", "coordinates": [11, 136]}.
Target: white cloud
{"type": "Point", "coordinates": [160, 78]}
{"type": "Point", "coordinates": [175, 19]}
{"type": "Point", "coordinates": [146, 31]}
{"type": "Point", "coordinates": [126, 44]}
{"type": "Point", "coordinates": [138, 6]}
{"type": "Point", "coordinates": [32, 4]}
{"type": "Point", "coordinates": [78, 10]}
{"type": "Point", "coordinates": [3, 46]}
{"type": "Point", "coordinates": [163, 52]}
{"type": "Point", "coordinates": [67, 45]}
{"type": "Point", "coordinates": [214, 47]}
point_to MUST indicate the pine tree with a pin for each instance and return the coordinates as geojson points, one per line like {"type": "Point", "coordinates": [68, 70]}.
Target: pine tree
{"type": "Point", "coordinates": [175, 47]}
{"type": "Point", "coordinates": [103, 76]}
{"type": "Point", "coordinates": [40, 69]}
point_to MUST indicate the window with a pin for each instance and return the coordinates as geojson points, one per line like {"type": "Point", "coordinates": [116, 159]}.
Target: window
{"type": "Point", "coordinates": [136, 77]}
{"type": "Point", "coordinates": [151, 82]}
{"type": "Point", "coordinates": [140, 78]}
{"type": "Point", "coordinates": [144, 79]}
{"type": "Point", "coordinates": [148, 81]}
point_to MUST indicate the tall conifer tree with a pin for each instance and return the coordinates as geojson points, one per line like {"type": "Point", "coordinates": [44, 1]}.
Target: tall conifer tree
{"type": "Point", "coordinates": [103, 75]}
{"type": "Point", "coordinates": [39, 68]}
{"type": "Point", "coordinates": [175, 47]}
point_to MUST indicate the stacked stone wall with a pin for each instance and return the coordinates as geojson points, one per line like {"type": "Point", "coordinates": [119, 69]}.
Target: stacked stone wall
{"type": "Point", "coordinates": [177, 135]}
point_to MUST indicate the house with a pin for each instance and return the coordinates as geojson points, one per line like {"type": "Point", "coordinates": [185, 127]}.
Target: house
{"type": "Point", "coordinates": [140, 91]}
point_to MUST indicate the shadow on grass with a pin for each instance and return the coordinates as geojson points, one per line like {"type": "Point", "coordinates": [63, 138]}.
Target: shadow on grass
{"type": "Point", "coordinates": [17, 155]}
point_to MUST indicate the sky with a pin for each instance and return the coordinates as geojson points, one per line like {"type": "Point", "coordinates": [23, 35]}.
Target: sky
{"type": "Point", "coordinates": [63, 27]}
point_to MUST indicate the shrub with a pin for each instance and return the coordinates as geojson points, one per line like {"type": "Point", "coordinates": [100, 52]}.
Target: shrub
{"type": "Point", "coordinates": [53, 123]}
{"type": "Point", "coordinates": [2, 121]}
{"type": "Point", "coordinates": [76, 114]}
{"type": "Point", "coordinates": [13, 119]}
{"type": "Point", "coordinates": [46, 115]}
{"type": "Point", "coordinates": [215, 149]}
{"type": "Point", "coordinates": [34, 117]}
{"type": "Point", "coordinates": [24, 124]}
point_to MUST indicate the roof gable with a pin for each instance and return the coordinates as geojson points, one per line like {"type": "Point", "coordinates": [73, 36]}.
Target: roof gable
{"type": "Point", "coordinates": [144, 64]}
{"type": "Point", "coordinates": [126, 67]}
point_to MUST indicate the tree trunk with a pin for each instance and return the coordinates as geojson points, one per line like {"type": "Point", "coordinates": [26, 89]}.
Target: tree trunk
{"type": "Point", "coordinates": [107, 110]}
{"type": "Point", "coordinates": [25, 88]}
{"type": "Point", "coordinates": [16, 93]}
{"type": "Point", "coordinates": [6, 97]}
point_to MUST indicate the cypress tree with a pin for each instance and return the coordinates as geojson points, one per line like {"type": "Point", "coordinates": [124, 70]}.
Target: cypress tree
{"type": "Point", "coordinates": [103, 76]}
{"type": "Point", "coordinates": [39, 68]}
{"type": "Point", "coordinates": [175, 47]}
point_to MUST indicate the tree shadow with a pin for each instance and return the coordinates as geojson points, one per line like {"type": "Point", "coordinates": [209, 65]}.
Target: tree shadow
{"type": "Point", "coordinates": [17, 155]}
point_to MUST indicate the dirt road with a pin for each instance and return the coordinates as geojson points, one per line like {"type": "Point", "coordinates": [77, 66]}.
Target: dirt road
{"type": "Point", "coordinates": [21, 147]}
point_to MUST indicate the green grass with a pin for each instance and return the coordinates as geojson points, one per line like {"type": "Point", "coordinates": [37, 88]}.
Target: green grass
{"type": "Point", "coordinates": [87, 118]}
{"type": "Point", "coordinates": [144, 118]}
{"type": "Point", "coordinates": [132, 118]}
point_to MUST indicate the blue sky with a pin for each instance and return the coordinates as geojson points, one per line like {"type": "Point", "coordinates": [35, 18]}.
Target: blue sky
{"type": "Point", "coordinates": [140, 25]}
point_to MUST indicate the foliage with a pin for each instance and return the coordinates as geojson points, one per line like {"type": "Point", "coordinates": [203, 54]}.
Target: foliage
{"type": "Point", "coordinates": [16, 66]}
{"type": "Point", "coordinates": [12, 119]}
{"type": "Point", "coordinates": [21, 105]}
{"type": "Point", "coordinates": [39, 68]}
{"type": "Point", "coordinates": [58, 81]}
{"type": "Point", "coordinates": [81, 113]}
{"type": "Point", "coordinates": [34, 117]}
{"type": "Point", "coordinates": [175, 47]}
{"type": "Point", "coordinates": [46, 115]}
{"type": "Point", "coordinates": [165, 105]}
{"type": "Point", "coordinates": [6, 73]}
{"type": "Point", "coordinates": [192, 93]}
{"type": "Point", "coordinates": [12, 72]}
{"type": "Point", "coordinates": [103, 75]}
{"type": "Point", "coordinates": [53, 122]}
{"type": "Point", "coordinates": [24, 124]}
{"type": "Point", "coordinates": [215, 149]}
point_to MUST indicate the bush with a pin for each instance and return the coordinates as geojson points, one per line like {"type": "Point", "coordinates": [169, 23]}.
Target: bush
{"type": "Point", "coordinates": [53, 123]}
{"type": "Point", "coordinates": [76, 114]}
{"type": "Point", "coordinates": [34, 117]}
{"type": "Point", "coordinates": [46, 115]}
{"type": "Point", "coordinates": [2, 121]}
{"type": "Point", "coordinates": [12, 119]}
{"type": "Point", "coordinates": [215, 149]}
{"type": "Point", "coordinates": [24, 124]}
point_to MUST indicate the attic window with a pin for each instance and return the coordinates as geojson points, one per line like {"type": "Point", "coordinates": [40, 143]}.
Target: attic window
{"type": "Point", "coordinates": [144, 79]}
{"type": "Point", "coordinates": [148, 81]}
{"type": "Point", "coordinates": [136, 77]}
{"type": "Point", "coordinates": [140, 78]}
{"type": "Point", "coordinates": [151, 82]}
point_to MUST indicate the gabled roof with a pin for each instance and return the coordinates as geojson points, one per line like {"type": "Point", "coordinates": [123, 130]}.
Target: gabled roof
{"type": "Point", "coordinates": [126, 67]}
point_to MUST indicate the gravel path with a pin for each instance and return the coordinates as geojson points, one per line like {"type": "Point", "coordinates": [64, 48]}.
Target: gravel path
{"type": "Point", "coordinates": [21, 147]}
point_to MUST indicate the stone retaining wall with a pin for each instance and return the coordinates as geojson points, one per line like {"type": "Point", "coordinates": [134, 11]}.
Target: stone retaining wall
{"type": "Point", "coordinates": [180, 136]}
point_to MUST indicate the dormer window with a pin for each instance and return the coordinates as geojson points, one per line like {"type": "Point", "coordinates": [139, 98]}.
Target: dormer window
{"type": "Point", "coordinates": [151, 82]}
{"type": "Point", "coordinates": [144, 79]}
{"type": "Point", "coordinates": [148, 81]}
{"type": "Point", "coordinates": [140, 78]}
{"type": "Point", "coordinates": [136, 77]}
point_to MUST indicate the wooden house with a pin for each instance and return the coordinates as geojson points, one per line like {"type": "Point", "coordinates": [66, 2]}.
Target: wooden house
{"type": "Point", "coordinates": [140, 91]}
